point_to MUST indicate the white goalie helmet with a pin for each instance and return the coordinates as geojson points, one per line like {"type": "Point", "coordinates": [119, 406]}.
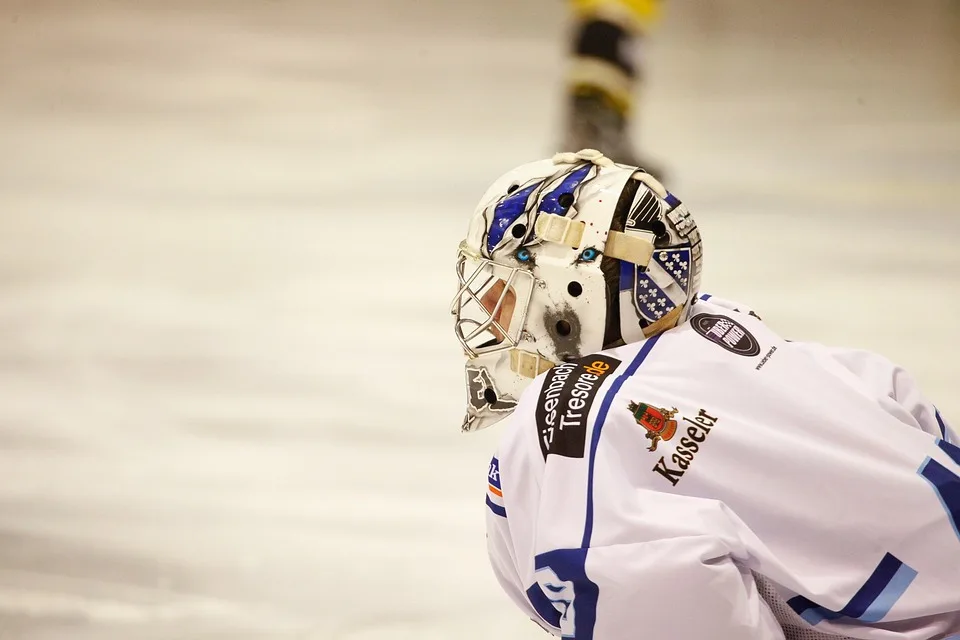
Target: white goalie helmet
{"type": "Point", "coordinates": [564, 258]}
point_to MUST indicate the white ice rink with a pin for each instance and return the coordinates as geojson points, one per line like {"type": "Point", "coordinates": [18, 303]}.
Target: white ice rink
{"type": "Point", "coordinates": [229, 390]}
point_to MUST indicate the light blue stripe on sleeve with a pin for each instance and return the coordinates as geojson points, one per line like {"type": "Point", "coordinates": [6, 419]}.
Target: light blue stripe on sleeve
{"type": "Point", "coordinates": [880, 607]}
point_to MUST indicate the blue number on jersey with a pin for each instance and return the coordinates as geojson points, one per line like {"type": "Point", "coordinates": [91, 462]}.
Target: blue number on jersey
{"type": "Point", "coordinates": [563, 595]}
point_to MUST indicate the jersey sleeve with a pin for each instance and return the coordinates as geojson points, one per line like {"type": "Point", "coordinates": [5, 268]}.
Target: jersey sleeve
{"type": "Point", "coordinates": [896, 389]}
{"type": "Point", "coordinates": [504, 565]}
{"type": "Point", "coordinates": [500, 546]}
{"type": "Point", "coordinates": [685, 587]}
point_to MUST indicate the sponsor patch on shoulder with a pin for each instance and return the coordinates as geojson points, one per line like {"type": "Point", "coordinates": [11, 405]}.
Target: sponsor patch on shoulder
{"type": "Point", "coordinates": [565, 401]}
{"type": "Point", "coordinates": [726, 332]}
{"type": "Point", "coordinates": [494, 492]}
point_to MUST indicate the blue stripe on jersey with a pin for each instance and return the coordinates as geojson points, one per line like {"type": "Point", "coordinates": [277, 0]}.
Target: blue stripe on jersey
{"type": "Point", "coordinates": [943, 427]}
{"type": "Point", "coordinates": [543, 606]}
{"type": "Point", "coordinates": [871, 603]}
{"type": "Point", "coordinates": [497, 509]}
{"type": "Point", "coordinates": [946, 484]}
{"type": "Point", "coordinates": [706, 296]}
{"type": "Point", "coordinates": [951, 450]}
{"type": "Point", "coordinates": [812, 613]}
{"type": "Point", "coordinates": [598, 428]}
{"type": "Point", "coordinates": [889, 596]}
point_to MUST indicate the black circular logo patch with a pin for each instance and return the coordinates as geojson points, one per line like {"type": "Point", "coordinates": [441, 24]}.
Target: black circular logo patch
{"type": "Point", "coordinates": [726, 332]}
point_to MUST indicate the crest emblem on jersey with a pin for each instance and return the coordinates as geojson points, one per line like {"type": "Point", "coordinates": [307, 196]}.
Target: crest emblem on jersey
{"type": "Point", "coordinates": [658, 422]}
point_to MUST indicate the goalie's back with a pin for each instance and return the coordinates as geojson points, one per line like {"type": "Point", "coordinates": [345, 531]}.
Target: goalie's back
{"type": "Point", "coordinates": [719, 481]}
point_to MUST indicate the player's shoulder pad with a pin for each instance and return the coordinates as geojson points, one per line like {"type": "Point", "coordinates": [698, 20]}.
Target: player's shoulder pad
{"type": "Point", "coordinates": [729, 305]}
{"type": "Point", "coordinates": [565, 398]}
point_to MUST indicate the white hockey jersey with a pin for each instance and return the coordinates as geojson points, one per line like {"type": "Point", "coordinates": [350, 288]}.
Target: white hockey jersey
{"type": "Point", "coordinates": [718, 482]}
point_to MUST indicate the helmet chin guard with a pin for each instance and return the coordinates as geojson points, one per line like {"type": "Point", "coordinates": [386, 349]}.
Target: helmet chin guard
{"type": "Point", "coordinates": [532, 292]}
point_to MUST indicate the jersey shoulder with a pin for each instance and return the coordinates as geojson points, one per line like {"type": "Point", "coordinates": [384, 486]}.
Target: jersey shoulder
{"type": "Point", "coordinates": [554, 416]}
{"type": "Point", "coordinates": [727, 304]}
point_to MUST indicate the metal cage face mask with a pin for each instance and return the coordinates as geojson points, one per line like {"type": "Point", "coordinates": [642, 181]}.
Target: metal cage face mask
{"type": "Point", "coordinates": [490, 307]}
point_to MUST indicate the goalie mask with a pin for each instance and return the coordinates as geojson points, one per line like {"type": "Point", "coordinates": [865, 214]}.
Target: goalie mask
{"type": "Point", "coordinates": [564, 258]}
